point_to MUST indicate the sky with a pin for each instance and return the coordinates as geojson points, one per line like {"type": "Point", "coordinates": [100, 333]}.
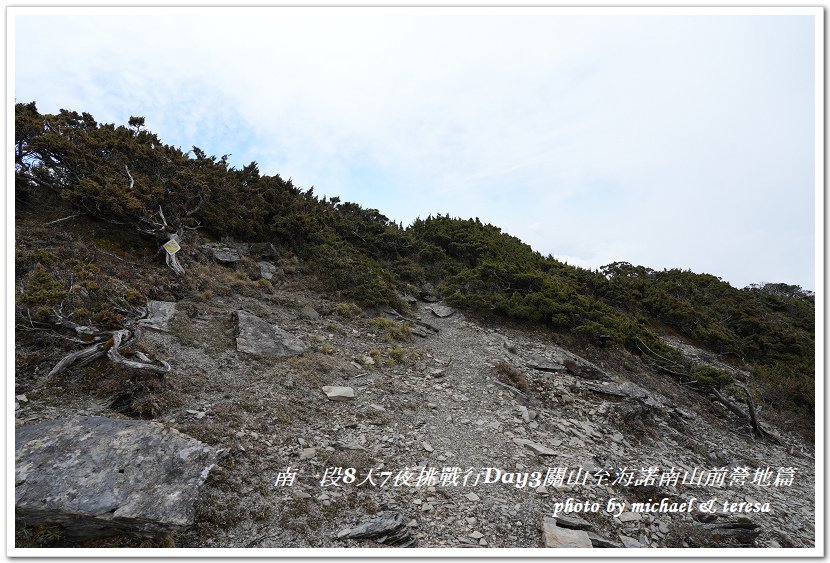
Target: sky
{"type": "Point", "coordinates": [670, 141]}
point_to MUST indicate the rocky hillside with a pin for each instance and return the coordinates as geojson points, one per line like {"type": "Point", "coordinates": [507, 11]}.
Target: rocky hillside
{"type": "Point", "coordinates": [338, 380]}
{"type": "Point", "coordinates": [427, 425]}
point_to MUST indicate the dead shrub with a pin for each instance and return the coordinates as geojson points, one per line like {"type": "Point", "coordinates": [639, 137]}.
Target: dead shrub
{"type": "Point", "coordinates": [511, 376]}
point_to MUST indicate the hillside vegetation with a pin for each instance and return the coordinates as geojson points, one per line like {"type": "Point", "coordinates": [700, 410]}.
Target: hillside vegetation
{"type": "Point", "coordinates": [149, 192]}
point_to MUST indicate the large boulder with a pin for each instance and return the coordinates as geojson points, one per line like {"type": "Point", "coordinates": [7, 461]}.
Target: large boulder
{"type": "Point", "coordinates": [260, 338]}
{"type": "Point", "coordinates": [100, 476]}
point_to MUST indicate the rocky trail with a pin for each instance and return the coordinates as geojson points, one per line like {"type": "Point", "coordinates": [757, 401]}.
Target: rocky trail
{"type": "Point", "coordinates": [341, 431]}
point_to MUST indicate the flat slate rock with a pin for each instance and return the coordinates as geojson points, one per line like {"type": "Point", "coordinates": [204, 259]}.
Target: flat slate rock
{"type": "Point", "coordinates": [159, 314]}
{"type": "Point", "coordinates": [260, 338]}
{"type": "Point", "coordinates": [337, 393]}
{"type": "Point", "coordinates": [536, 447]}
{"type": "Point", "coordinates": [544, 364]}
{"type": "Point", "coordinates": [223, 253]}
{"type": "Point", "coordinates": [388, 529]}
{"type": "Point", "coordinates": [442, 311]}
{"type": "Point", "coordinates": [572, 521]}
{"type": "Point", "coordinates": [563, 537]}
{"type": "Point", "coordinates": [601, 541]}
{"type": "Point", "coordinates": [99, 476]}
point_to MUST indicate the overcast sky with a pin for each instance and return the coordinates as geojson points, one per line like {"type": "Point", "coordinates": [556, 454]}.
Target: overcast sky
{"type": "Point", "coordinates": [666, 141]}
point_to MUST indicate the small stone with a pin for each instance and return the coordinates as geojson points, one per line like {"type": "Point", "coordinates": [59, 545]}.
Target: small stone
{"type": "Point", "coordinates": [471, 520]}
{"type": "Point", "coordinates": [367, 361]}
{"type": "Point", "coordinates": [21, 398]}
{"type": "Point", "coordinates": [427, 446]}
{"type": "Point", "coordinates": [630, 517]}
{"type": "Point", "coordinates": [308, 453]}
{"type": "Point", "coordinates": [301, 495]}
{"type": "Point", "coordinates": [542, 490]}
{"type": "Point", "coordinates": [473, 497]}
{"type": "Point", "coordinates": [376, 408]}
{"type": "Point", "coordinates": [335, 393]}
{"type": "Point", "coordinates": [412, 523]}
{"type": "Point", "coordinates": [200, 415]}
{"type": "Point", "coordinates": [482, 541]}
{"type": "Point", "coordinates": [426, 507]}
{"type": "Point", "coordinates": [630, 542]}
{"type": "Point", "coordinates": [309, 313]}
{"type": "Point", "coordinates": [192, 411]}
{"type": "Point", "coordinates": [344, 532]}
{"type": "Point", "coordinates": [476, 535]}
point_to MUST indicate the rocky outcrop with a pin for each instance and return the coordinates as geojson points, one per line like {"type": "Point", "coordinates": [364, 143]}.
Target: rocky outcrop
{"type": "Point", "coordinates": [260, 338]}
{"type": "Point", "coordinates": [99, 476]}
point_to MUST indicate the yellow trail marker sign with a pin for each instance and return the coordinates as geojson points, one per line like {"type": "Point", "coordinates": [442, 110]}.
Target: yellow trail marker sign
{"type": "Point", "coordinates": [172, 246]}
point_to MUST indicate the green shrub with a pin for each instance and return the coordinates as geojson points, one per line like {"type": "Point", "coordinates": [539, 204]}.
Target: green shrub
{"type": "Point", "coordinates": [43, 289]}
{"type": "Point", "coordinates": [709, 376]}
{"type": "Point", "coordinates": [391, 330]}
{"type": "Point", "coordinates": [348, 310]}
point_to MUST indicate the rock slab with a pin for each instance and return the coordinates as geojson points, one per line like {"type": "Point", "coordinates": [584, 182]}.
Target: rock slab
{"type": "Point", "coordinates": [159, 314]}
{"type": "Point", "coordinates": [99, 476]}
{"type": "Point", "coordinates": [563, 537]}
{"type": "Point", "coordinates": [336, 393]}
{"type": "Point", "coordinates": [442, 311]}
{"type": "Point", "coordinates": [260, 338]}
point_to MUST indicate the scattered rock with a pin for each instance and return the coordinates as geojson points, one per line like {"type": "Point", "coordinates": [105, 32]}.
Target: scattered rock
{"type": "Point", "coordinates": [260, 338]}
{"type": "Point", "coordinates": [99, 476]}
{"type": "Point", "coordinates": [336, 393]}
{"type": "Point", "coordinates": [473, 497]}
{"type": "Point", "coordinates": [601, 541]}
{"type": "Point", "coordinates": [22, 398]}
{"type": "Point", "coordinates": [630, 517]}
{"type": "Point", "coordinates": [563, 537]}
{"type": "Point", "coordinates": [630, 542]}
{"type": "Point", "coordinates": [442, 311]}
{"type": "Point", "coordinates": [743, 530]}
{"type": "Point", "coordinates": [159, 314]}
{"type": "Point", "coordinates": [476, 535]}
{"type": "Point", "coordinates": [427, 446]}
{"type": "Point", "coordinates": [308, 453]}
